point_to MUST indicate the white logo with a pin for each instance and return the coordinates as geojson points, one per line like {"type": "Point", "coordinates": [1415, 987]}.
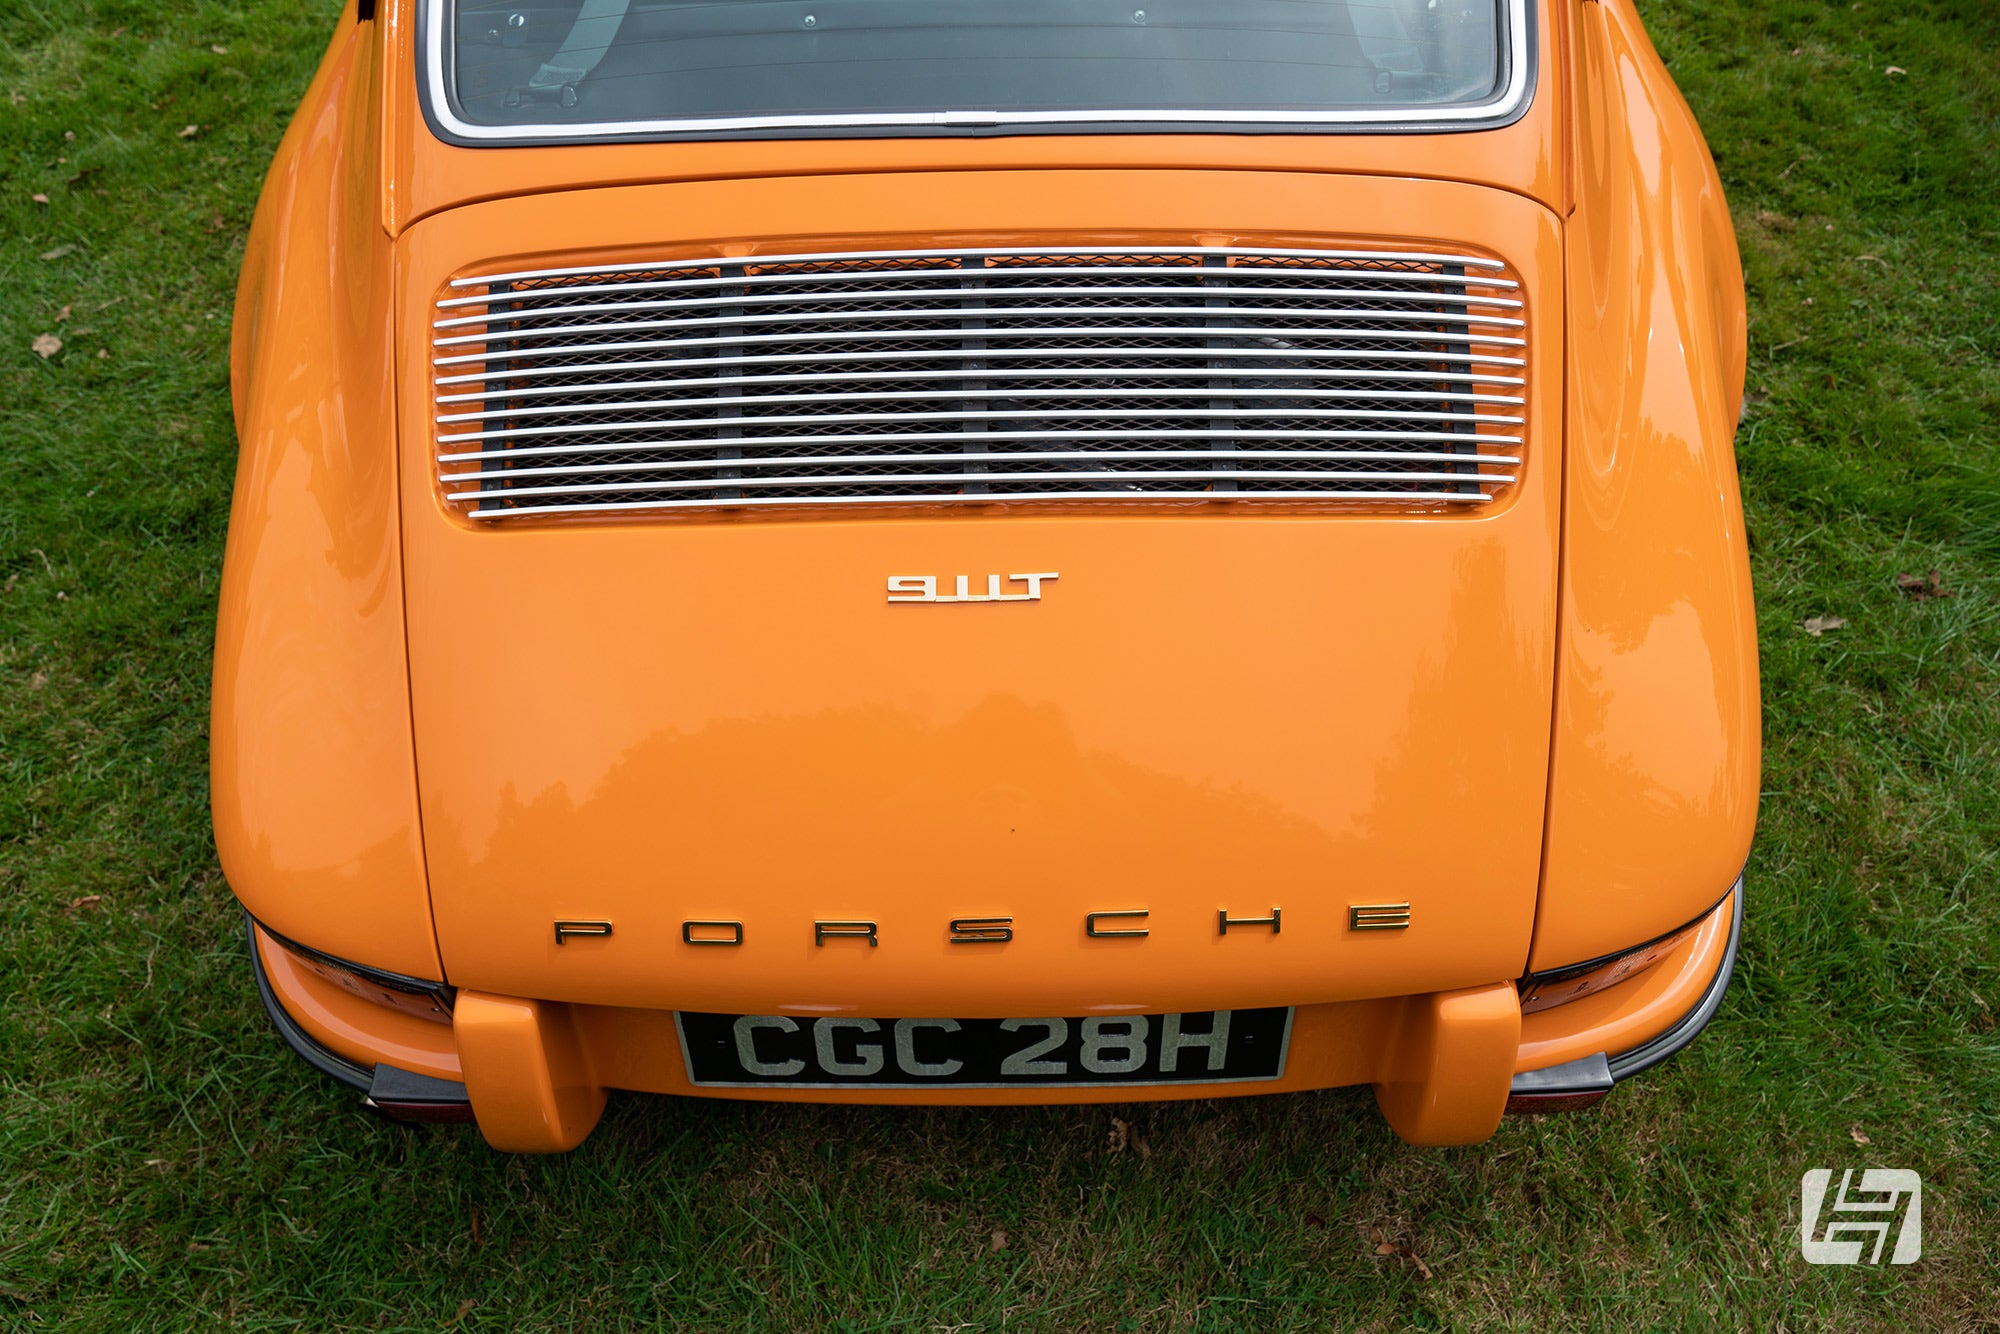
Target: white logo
{"type": "Point", "coordinates": [1863, 1210]}
{"type": "Point", "coordinates": [923, 588]}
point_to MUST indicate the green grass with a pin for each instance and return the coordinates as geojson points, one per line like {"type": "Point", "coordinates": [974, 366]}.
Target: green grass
{"type": "Point", "coordinates": [166, 1163]}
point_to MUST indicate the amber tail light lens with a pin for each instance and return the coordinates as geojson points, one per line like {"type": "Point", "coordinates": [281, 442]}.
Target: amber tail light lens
{"type": "Point", "coordinates": [411, 995]}
{"type": "Point", "coordinates": [1560, 986]}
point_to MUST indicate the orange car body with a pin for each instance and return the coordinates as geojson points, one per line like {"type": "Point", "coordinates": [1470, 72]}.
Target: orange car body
{"type": "Point", "coordinates": [505, 801]}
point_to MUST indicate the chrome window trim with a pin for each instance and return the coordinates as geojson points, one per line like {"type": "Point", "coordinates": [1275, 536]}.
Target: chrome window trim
{"type": "Point", "coordinates": [1517, 52]}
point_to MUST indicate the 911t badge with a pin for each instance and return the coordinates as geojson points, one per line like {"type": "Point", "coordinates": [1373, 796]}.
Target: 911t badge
{"type": "Point", "coordinates": [924, 588]}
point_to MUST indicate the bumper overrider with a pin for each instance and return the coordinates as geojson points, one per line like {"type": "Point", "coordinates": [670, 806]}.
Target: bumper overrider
{"type": "Point", "coordinates": [1445, 1066]}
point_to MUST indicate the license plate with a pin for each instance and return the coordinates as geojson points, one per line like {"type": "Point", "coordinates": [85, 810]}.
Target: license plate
{"type": "Point", "coordinates": [783, 1051]}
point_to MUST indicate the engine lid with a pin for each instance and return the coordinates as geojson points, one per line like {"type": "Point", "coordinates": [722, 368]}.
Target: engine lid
{"type": "Point", "coordinates": [965, 762]}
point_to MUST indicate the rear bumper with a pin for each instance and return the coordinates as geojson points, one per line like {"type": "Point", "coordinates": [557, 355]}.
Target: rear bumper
{"type": "Point", "coordinates": [1700, 970]}
{"type": "Point", "coordinates": [1444, 1066]}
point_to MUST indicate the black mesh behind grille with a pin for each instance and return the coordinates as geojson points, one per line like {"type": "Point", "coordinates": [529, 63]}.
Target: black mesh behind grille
{"type": "Point", "coordinates": [982, 377]}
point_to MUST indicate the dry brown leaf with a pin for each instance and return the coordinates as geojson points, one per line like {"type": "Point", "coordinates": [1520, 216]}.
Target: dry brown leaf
{"type": "Point", "coordinates": [59, 252]}
{"type": "Point", "coordinates": [190, 131]}
{"type": "Point", "coordinates": [1120, 1133]}
{"type": "Point", "coordinates": [1385, 1249]}
{"type": "Point", "coordinates": [85, 903]}
{"type": "Point", "coordinates": [41, 199]}
{"type": "Point", "coordinates": [220, 49]}
{"type": "Point", "coordinates": [46, 345]}
{"type": "Point", "coordinates": [1819, 625]}
{"type": "Point", "coordinates": [1924, 587]}
{"type": "Point", "coordinates": [1854, 1133]}
{"type": "Point", "coordinates": [103, 354]}
{"type": "Point", "coordinates": [998, 1241]}
{"type": "Point", "coordinates": [216, 224]}
{"type": "Point", "coordinates": [62, 315]}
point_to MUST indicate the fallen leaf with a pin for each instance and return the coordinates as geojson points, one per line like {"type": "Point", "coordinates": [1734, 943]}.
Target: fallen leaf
{"type": "Point", "coordinates": [998, 1241]}
{"type": "Point", "coordinates": [1854, 1132]}
{"type": "Point", "coordinates": [41, 199]}
{"type": "Point", "coordinates": [216, 224]}
{"type": "Point", "coordinates": [62, 315]}
{"type": "Point", "coordinates": [189, 132]}
{"type": "Point", "coordinates": [103, 354]}
{"type": "Point", "coordinates": [59, 252]}
{"type": "Point", "coordinates": [1385, 1249]}
{"type": "Point", "coordinates": [1819, 625]}
{"type": "Point", "coordinates": [1895, 69]}
{"type": "Point", "coordinates": [1924, 587]}
{"type": "Point", "coordinates": [1314, 1220]}
{"type": "Point", "coordinates": [220, 50]}
{"type": "Point", "coordinates": [87, 901]}
{"type": "Point", "coordinates": [1120, 1133]}
{"type": "Point", "coordinates": [46, 345]}
{"type": "Point", "coordinates": [1416, 1260]}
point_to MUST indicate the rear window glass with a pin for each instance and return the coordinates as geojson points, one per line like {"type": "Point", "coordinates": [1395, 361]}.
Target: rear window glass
{"type": "Point", "coordinates": [620, 66]}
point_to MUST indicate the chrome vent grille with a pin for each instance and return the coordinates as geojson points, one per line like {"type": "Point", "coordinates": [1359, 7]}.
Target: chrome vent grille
{"type": "Point", "coordinates": [992, 377]}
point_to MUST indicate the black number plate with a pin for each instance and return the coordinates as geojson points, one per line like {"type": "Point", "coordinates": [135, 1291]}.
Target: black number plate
{"type": "Point", "coordinates": [781, 1051]}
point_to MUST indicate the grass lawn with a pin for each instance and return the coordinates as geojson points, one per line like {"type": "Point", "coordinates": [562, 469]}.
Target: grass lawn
{"type": "Point", "coordinates": [165, 1162]}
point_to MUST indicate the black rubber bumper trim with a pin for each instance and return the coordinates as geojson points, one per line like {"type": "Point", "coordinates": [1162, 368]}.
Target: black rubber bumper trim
{"type": "Point", "coordinates": [1649, 1054]}
{"type": "Point", "coordinates": [1596, 1074]}
{"type": "Point", "coordinates": [356, 1077]}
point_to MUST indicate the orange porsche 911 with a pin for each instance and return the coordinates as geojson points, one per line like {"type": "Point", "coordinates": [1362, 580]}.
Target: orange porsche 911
{"type": "Point", "coordinates": [1054, 551]}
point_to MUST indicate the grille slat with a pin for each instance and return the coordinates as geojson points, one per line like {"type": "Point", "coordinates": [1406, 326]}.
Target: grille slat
{"type": "Point", "coordinates": [712, 423]}
{"type": "Point", "coordinates": [947, 277]}
{"type": "Point", "coordinates": [945, 354]}
{"type": "Point", "coordinates": [944, 437]}
{"type": "Point", "coordinates": [1055, 456]}
{"type": "Point", "coordinates": [997, 377]}
{"type": "Point", "coordinates": [1243, 299]}
{"type": "Point", "coordinates": [1307, 393]}
{"type": "Point", "coordinates": [1278, 331]}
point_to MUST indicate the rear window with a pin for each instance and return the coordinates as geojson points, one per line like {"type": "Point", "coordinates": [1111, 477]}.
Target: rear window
{"type": "Point", "coordinates": [591, 68]}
